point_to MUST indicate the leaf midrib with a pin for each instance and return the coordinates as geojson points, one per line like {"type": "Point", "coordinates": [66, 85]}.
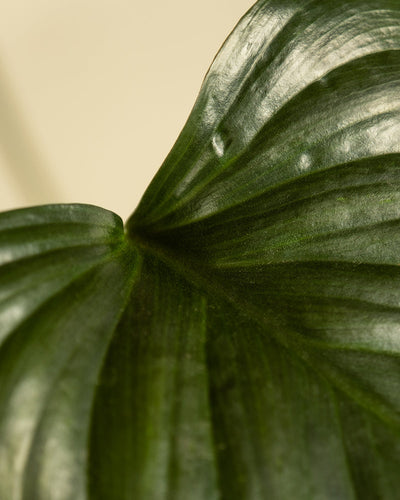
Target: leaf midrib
{"type": "Point", "coordinates": [294, 343]}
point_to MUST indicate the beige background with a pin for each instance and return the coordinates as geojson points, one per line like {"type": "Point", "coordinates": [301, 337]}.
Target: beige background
{"type": "Point", "coordinates": [93, 93]}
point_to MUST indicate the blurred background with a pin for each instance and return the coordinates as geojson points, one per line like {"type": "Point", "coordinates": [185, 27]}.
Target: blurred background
{"type": "Point", "coordinates": [93, 93]}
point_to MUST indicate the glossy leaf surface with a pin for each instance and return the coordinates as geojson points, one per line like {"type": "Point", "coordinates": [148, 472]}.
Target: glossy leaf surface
{"type": "Point", "coordinates": [242, 339]}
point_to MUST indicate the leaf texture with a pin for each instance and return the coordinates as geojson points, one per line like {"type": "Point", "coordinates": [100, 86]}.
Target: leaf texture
{"type": "Point", "coordinates": [241, 339]}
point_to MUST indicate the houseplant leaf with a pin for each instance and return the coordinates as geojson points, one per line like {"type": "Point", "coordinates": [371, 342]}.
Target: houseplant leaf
{"type": "Point", "coordinates": [241, 338]}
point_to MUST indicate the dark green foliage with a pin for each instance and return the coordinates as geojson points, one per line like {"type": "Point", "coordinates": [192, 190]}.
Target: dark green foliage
{"type": "Point", "coordinates": [242, 339]}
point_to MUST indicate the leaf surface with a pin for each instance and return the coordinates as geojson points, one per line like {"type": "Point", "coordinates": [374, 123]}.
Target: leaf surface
{"type": "Point", "coordinates": [241, 339]}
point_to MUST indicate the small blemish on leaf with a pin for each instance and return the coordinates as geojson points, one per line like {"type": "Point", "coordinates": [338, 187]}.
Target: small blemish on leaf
{"type": "Point", "coordinates": [305, 162]}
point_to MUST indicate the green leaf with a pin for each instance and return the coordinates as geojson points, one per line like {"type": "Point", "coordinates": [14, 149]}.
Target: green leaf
{"type": "Point", "coordinates": [241, 339]}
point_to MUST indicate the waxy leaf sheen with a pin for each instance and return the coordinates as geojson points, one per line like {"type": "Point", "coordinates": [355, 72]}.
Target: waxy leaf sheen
{"type": "Point", "coordinates": [241, 338]}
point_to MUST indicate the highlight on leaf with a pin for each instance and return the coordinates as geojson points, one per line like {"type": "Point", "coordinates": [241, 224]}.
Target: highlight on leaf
{"type": "Point", "coordinates": [240, 338]}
